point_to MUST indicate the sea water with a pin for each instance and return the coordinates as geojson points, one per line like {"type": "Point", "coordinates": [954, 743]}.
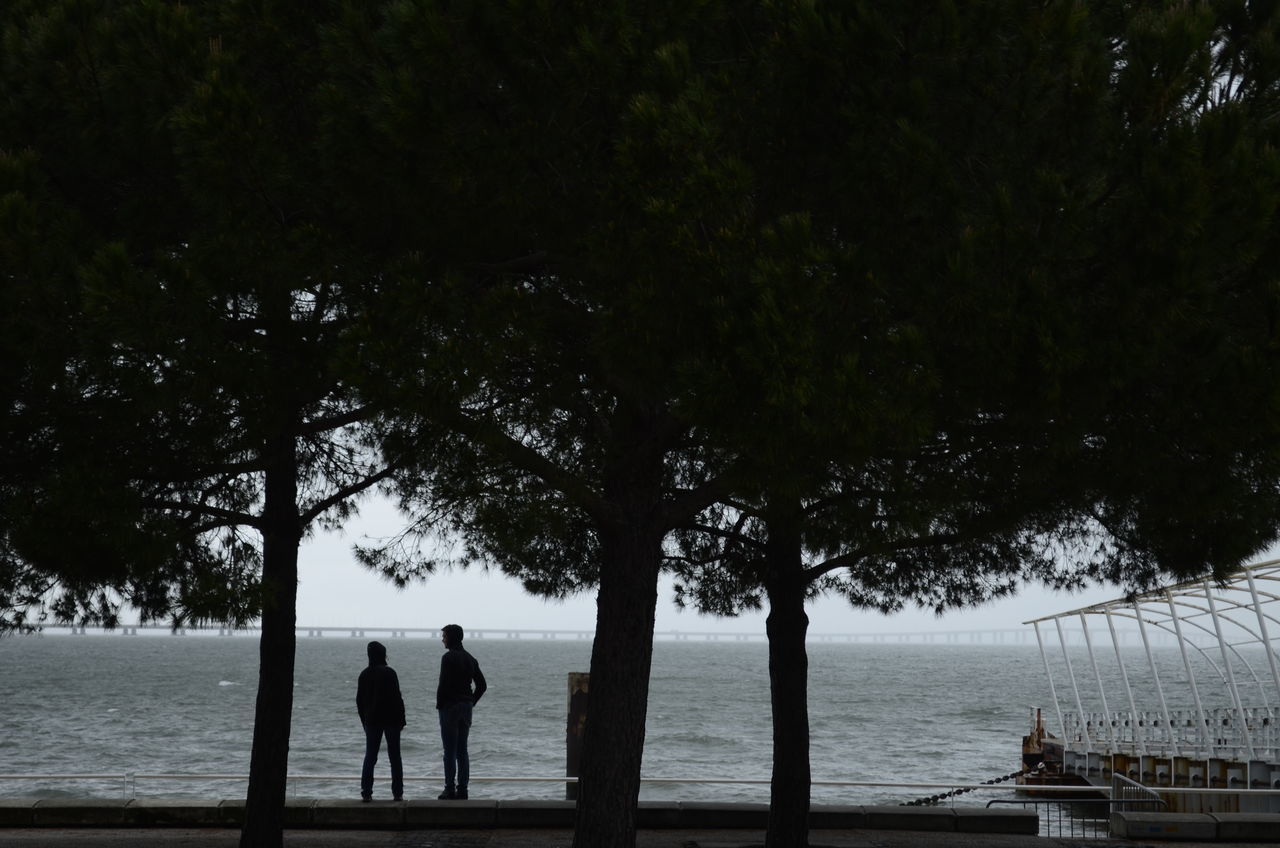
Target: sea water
{"type": "Point", "coordinates": [116, 705]}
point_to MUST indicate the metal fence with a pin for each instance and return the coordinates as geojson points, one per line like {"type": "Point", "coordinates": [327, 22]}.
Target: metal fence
{"type": "Point", "coordinates": [1085, 817]}
{"type": "Point", "coordinates": [1078, 818]}
{"type": "Point", "coordinates": [145, 784]}
{"type": "Point", "coordinates": [1129, 795]}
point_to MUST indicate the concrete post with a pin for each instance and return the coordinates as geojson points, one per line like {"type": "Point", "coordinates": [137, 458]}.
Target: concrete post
{"type": "Point", "coordinates": [575, 730]}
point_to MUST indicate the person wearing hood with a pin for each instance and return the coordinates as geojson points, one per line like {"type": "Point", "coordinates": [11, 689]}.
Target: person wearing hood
{"type": "Point", "coordinates": [381, 709]}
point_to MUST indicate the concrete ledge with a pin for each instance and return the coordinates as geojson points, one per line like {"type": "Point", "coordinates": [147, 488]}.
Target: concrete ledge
{"type": "Point", "coordinates": [1248, 827]}
{"type": "Point", "coordinates": [651, 815]}
{"type": "Point", "coordinates": [78, 812]}
{"type": "Point", "coordinates": [657, 815]}
{"type": "Point", "coordinates": [993, 820]}
{"type": "Point", "coordinates": [299, 812]}
{"type": "Point", "coordinates": [712, 816]}
{"type": "Point", "coordinates": [911, 818]}
{"type": "Point", "coordinates": [231, 813]}
{"type": "Point", "coordinates": [1196, 827]}
{"type": "Point", "coordinates": [374, 814]}
{"type": "Point", "coordinates": [837, 817]}
{"type": "Point", "coordinates": [16, 812]}
{"type": "Point", "coordinates": [535, 813]}
{"type": "Point", "coordinates": [451, 813]}
{"type": "Point", "coordinates": [162, 812]}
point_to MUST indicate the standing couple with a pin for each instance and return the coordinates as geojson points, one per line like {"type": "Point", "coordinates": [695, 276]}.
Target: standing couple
{"type": "Point", "coordinates": [381, 709]}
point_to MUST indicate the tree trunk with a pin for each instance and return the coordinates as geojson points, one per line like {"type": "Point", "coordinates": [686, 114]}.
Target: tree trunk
{"type": "Point", "coordinates": [609, 786]}
{"type": "Point", "coordinates": [621, 656]}
{"type": "Point", "coordinates": [787, 626]}
{"type": "Point", "coordinates": [273, 716]}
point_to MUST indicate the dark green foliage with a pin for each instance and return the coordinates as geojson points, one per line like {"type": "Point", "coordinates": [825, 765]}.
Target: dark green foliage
{"type": "Point", "coordinates": [1043, 265]}
{"type": "Point", "coordinates": [193, 421]}
{"type": "Point", "coordinates": [936, 282]}
{"type": "Point", "coordinates": [1042, 282]}
{"type": "Point", "coordinates": [907, 301]}
{"type": "Point", "coordinates": [168, 211]}
{"type": "Point", "coordinates": [591, 151]}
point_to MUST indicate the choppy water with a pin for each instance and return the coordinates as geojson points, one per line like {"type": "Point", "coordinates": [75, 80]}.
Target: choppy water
{"type": "Point", "coordinates": [112, 705]}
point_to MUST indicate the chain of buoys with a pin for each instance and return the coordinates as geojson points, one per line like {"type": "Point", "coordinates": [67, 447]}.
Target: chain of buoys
{"type": "Point", "coordinates": [936, 799]}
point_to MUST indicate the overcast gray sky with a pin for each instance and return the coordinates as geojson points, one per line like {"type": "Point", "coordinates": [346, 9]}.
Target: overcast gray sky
{"type": "Point", "coordinates": [335, 591]}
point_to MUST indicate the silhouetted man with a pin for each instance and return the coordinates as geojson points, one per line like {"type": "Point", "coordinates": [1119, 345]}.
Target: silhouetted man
{"type": "Point", "coordinates": [381, 709]}
{"type": "Point", "coordinates": [454, 699]}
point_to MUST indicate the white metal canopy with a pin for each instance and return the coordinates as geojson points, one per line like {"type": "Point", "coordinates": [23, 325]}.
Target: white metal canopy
{"type": "Point", "coordinates": [1231, 628]}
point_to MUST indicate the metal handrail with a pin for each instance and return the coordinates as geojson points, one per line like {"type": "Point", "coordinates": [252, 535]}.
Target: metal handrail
{"type": "Point", "coordinates": [129, 784]}
{"type": "Point", "coordinates": [137, 776]}
{"type": "Point", "coordinates": [1126, 793]}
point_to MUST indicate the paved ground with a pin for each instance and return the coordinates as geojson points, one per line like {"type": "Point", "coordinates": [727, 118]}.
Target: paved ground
{"type": "Point", "coordinates": [226, 838]}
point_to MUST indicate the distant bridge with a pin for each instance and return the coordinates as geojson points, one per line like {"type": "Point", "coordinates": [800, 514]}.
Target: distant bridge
{"type": "Point", "coordinates": [1008, 636]}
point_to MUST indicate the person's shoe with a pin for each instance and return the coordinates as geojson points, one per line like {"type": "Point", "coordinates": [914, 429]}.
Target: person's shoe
{"type": "Point", "coordinates": [397, 798]}
{"type": "Point", "coordinates": [461, 795]}
{"type": "Point", "coordinates": [448, 795]}
{"type": "Point", "coordinates": [366, 798]}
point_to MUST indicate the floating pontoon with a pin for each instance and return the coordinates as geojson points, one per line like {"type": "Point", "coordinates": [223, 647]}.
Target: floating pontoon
{"type": "Point", "coordinates": [1194, 669]}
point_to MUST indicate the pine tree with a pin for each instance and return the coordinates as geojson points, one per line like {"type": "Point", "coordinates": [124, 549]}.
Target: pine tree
{"type": "Point", "coordinates": [208, 422]}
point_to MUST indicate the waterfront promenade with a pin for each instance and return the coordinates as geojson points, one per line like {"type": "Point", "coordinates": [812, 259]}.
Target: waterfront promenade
{"type": "Point", "coordinates": [541, 838]}
{"type": "Point", "coordinates": [310, 823]}
{"type": "Point", "coordinates": [225, 838]}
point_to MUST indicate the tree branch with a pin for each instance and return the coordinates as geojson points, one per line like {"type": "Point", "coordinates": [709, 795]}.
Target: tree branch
{"type": "Point", "coordinates": [985, 526]}
{"type": "Point", "coordinates": [226, 471]}
{"type": "Point", "coordinates": [344, 493]}
{"type": "Point", "coordinates": [695, 500]}
{"type": "Point", "coordinates": [729, 535]}
{"type": "Point", "coordinates": [333, 422]}
{"type": "Point", "coordinates": [229, 517]}
{"type": "Point", "coordinates": [522, 456]}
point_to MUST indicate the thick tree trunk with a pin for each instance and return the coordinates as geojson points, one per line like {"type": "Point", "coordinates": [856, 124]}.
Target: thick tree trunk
{"type": "Point", "coordinates": [609, 787]}
{"type": "Point", "coordinates": [787, 626]}
{"type": "Point", "coordinates": [273, 716]}
{"type": "Point", "coordinates": [631, 557]}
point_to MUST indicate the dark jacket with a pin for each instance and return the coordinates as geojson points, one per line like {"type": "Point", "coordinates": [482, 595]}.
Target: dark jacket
{"type": "Point", "coordinates": [458, 670]}
{"type": "Point", "coordinates": [378, 697]}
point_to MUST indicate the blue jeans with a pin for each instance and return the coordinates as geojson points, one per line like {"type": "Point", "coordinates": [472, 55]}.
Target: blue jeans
{"type": "Point", "coordinates": [372, 742]}
{"type": "Point", "coordinates": [455, 726]}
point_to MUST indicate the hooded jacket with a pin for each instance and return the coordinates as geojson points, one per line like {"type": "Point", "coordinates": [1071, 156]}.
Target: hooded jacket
{"type": "Point", "coordinates": [378, 699]}
{"type": "Point", "coordinates": [458, 670]}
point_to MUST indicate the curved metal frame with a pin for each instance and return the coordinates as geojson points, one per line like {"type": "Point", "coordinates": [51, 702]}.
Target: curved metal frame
{"type": "Point", "coordinates": [1233, 615]}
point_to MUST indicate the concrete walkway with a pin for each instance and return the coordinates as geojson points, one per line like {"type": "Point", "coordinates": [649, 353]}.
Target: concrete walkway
{"type": "Point", "coordinates": [311, 823]}
{"type": "Point", "coordinates": [538, 838]}
{"type": "Point", "coordinates": [487, 815]}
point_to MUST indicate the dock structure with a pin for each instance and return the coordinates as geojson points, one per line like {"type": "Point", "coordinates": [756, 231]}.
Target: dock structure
{"type": "Point", "coordinates": [1202, 714]}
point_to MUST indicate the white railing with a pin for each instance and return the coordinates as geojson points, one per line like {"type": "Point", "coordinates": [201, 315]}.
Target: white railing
{"type": "Point", "coordinates": [1180, 732]}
